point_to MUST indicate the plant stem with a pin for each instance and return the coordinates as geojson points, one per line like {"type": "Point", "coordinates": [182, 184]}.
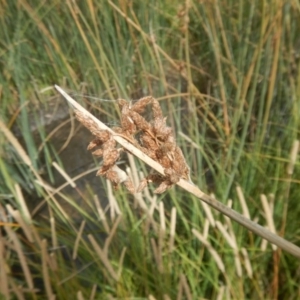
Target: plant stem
{"type": "Point", "coordinates": [189, 186]}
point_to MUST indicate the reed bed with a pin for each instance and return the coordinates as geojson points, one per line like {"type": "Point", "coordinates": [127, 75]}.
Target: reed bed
{"type": "Point", "coordinates": [226, 74]}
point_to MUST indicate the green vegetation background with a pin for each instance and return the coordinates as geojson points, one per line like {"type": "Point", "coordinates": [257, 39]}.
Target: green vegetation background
{"type": "Point", "coordinates": [226, 74]}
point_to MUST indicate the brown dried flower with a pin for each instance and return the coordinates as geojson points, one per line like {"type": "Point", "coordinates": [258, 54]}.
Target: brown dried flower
{"type": "Point", "coordinates": [155, 139]}
{"type": "Point", "coordinates": [106, 147]}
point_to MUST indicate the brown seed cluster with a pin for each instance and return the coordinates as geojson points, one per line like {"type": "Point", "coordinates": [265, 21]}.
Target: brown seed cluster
{"type": "Point", "coordinates": [152, 137]}
{"type": "Point", "coordinates": [104, 145]}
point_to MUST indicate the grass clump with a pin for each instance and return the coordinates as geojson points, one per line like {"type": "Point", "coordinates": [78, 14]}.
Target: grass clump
{"type": "Point", "coordinates": [227, 76]}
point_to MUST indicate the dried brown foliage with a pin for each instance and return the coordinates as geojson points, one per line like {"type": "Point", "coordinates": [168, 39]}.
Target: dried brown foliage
{"type": "Point", "coordinates": [153, 137]}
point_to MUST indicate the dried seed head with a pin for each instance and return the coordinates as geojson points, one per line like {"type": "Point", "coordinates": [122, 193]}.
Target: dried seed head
{"type": "Point", "coordinates": [94, 143]}
{"type": "Point", "coordinates": [142, 185]}
{"type": "Point", "coordinates": [157, 112]}
{"type": "Point", "coordinates": [173, 177]}
{"type": "Point", "coordinates": [110, 156]}
{"type": "Point", "coordinates": [161, 131]}
{"type": "Point", "coordinates": [162, 188]}
{"type": "Point", "coordinates": [129, 186]}
{"type": "Point", "coordinates": [101, 172]}
{"type": "Point", "coordinates": [139, 121]}
{"type": "Point", "coordinates": [140, 106]}
{"type": "Point", "coordinates": [113, 177]}
{"type": "Point", "coordinates": [98, 152]}
{"type": "Point", "coordinates": [109, 144]}
{"type": "Point", "coordinates": [103, 135]}
{"type": "Point", "coordinates": [148, 142]}
{"type": "Point", "coordinates": [155, 139]}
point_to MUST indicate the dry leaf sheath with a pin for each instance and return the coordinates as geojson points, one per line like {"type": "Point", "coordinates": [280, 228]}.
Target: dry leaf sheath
{"type": "Point", "coordinates": [161, 161]}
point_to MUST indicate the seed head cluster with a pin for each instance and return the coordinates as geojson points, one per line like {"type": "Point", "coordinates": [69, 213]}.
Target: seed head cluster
{"type": "Point", "coordinates": [152, 137]}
